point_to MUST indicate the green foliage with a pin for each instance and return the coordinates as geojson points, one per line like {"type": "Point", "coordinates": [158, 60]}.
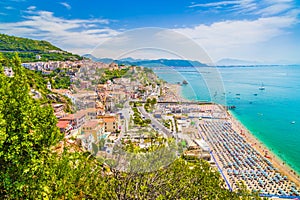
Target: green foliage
{"type": "Point", "coordinates": [112, 74]}
{"type": "Point", "coordinates": [147, 107]}
{"type": "Point", "coordinates": [31, 168]}
{"type": "Point", "coordinates": [150, 103]}
{"type": "Point", "coordinates": [148, 70]}
{"type": "Point", "coordinates": [95, 149]}
{"type": "Point", "coordinates": [119, 105]}
{"type": "Point", "coordinates": [28, 130]}
{"type": "Point", "coordinates": [147, 121]}
{"type": "Point", "coordinates": [9, 43]}
{"type": "Point", "coordinates": [153, 101]}
{"type": "Point", "coordinates": [101, 143]}
{"type": "Point", "coordinates": [167, 123]}
{"type": "Point", "coordinates": [45, 56]}
{"type": "Point", "coordinates": [137, 119]}
{"type": "Point", "coordinates": [154, 147]}
{"type": "Point", "coordinates": [38, 81]}
{"type": "Point", "coordinates": [62, 82]}
{"type": "Point", "coordinates": [179, 180]}
{"type": "Point", "coordinates": [176, 125]}
{"type": "Point", "coordinates": [28, 49]}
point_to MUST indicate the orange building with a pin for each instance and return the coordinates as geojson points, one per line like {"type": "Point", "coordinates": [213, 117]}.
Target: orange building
{"type": "Point", "coordinates": [111, 123]}
{"type": "Point", "coordinates": [94, 127]}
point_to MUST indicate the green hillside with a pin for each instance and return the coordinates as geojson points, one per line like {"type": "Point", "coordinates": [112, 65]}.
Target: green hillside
{"type": "Point", "coordinates": [37, 163]}
{"type": "Point", "coordinates": [29, 49]}
{"type": "Point", "coordinates": [38, 82]}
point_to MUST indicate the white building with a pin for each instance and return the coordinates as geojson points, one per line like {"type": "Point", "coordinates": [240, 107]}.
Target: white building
{"type": "Point", "coordinates": [49, 87]}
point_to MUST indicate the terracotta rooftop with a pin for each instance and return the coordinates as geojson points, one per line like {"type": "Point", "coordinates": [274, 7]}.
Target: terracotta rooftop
{"type": "Point", "coordinates": [109, 118]}
{"type": "Point", "coordinates": [62, 124]}
{"type": "Point", "coordinates": [92, 123]}
{"type": "Point", "coordinates": [91, 109]}
{"type": "Point", "coordinates": [74, 116]}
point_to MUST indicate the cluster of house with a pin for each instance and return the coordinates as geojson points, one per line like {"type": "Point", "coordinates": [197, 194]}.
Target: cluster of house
{"type": "Point", "coordinates": [97, 116]}
{"type": "Point", "coordinates": [88, 126]}
{"type": "Point", "coordinates": [74, 69]}
{"type": "Point", "coordinates": [48, 67]}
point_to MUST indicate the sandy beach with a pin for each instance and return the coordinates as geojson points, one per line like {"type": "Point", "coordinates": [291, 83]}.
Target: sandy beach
{"type": "Point", "coordinates": [262, 149]}
{"type": "Point", "coordinates": [218, 111]}
{"type": "Point", "coordinates": [173, 93]}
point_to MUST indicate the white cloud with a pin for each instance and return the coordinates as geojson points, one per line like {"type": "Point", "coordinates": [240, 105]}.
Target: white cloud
{"type": "Point", "coordinates": [255, 7]}
{"type": "Point", "coordinates": [244, 38]}
{"type": "Point", "coordinates": [279, 1]}
{"type": "Point", "coordinates": [274, 9]}
{"type": "Point", "coordinates": [244, 6]}
{"type": "Point", "coordinates": [66, 5]}
{"type": "Point", "coordinates": [213, 4]}
{"type": "Point", "coordinates": [82, 35]}
{"type": "Point", "coordinates": [223, 38]}
{"type": "Point", "coordinates": [31, 8]}
{"type": "Point", "coordinates": [77, 35]}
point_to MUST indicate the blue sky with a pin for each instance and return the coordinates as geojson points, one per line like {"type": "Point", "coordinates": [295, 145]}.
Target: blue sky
{"type": "Point", "coordinates": [259, 30]}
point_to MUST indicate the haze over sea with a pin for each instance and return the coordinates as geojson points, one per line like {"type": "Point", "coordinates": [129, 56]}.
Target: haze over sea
{"type": "Point", "coordinates": [272, 115]}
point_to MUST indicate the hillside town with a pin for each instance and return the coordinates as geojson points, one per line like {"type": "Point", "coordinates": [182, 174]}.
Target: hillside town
{"type": "Point", "coordinates": [129, 107]}
{"type": "Point", "coordinates": [105, 111]}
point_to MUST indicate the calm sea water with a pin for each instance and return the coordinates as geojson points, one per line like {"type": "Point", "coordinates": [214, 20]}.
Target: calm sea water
{"type": "Point", "coordinates": [272, 115]}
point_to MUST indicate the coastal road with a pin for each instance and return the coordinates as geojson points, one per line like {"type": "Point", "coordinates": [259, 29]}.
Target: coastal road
{"type": "Point", "coordinates": [155, 123]}
{"type": "Point", "coordinates": [126, 112]}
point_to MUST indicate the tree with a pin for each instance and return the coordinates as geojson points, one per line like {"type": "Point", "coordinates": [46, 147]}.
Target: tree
{"type": "Point", "coordinates": [31, 167]}
{"type": "Point", "coordinates": [27, 130]}
{"type": "Point", "coordinates": [147, 121]}
{"type": "Point", "coordinates": [148, 100]}
{"type": "Point", "coordinates": [179, 180]}
{"type": "Point", "coordinates": [153, 101]}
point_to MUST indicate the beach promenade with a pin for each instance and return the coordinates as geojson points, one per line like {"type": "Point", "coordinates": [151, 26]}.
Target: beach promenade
{"type": "Point", "coordinates": [263, 150]}
{"type": "Point", "coordinates": [242, 158]}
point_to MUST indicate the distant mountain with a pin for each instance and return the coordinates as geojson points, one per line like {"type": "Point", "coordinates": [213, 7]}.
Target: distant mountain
{"type": "Point", "coordinates": [33, 50]}
{"type": "Point", "coordinates": [149, 63]}
{"type": "Point", "coordinates": [170, 63]}
{"type": "Point", "coordinates": [129, 59]}
{"type": "Point", "coordinates": [236, 62]}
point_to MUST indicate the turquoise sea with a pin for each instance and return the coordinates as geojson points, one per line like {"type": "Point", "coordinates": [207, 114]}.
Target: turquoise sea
{"type": "Point", "coordinates": [272, 115]}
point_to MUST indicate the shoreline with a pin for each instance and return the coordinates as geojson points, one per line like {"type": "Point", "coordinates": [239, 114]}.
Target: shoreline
{"type": "Point", "coordinates": [250, 138]}
{"type": "Point", "coordinates": [176, 90]}
{"type": "Point", "coordinates": [259, 146]}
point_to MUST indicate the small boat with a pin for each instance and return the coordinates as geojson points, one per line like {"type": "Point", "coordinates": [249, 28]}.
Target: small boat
{"type": "Point", "coordinates": [262, 87]}
{"type": "Point", "coordinates": [184, 82]}
{"type": "Point", "coordinates": [231, 107]}
{"type": "Point", "coordinates": [255, 94]}
{"type": "Point", "coordinates": [238, 94]}
{"type": "Point", "coordinates": [293, 122]}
